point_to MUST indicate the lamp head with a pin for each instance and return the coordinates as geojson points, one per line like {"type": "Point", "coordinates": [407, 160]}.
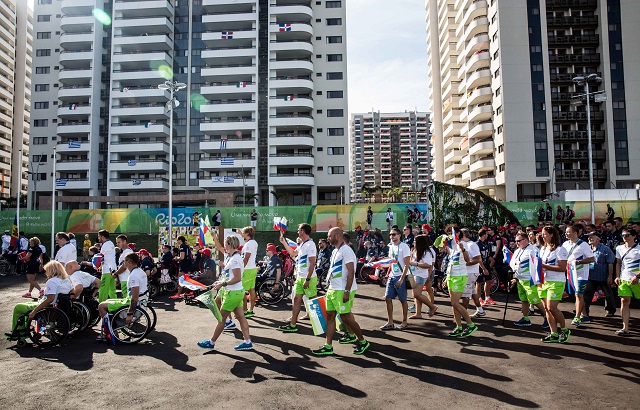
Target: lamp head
{"type": "Point", "coordinates": [579, 79]}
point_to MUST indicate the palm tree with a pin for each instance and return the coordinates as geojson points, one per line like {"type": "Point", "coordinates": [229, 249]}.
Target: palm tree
{"type": "Point", "coordinates": [365, 193]}
{"type": "Point", "coordinates": [279, 196]}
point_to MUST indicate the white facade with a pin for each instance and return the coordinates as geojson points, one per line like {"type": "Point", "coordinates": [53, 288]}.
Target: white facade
{"type": "Point", "coordinates": [264, 107]}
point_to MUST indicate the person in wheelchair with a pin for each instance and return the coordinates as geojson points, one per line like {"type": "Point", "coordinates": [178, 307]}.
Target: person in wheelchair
{"type": "Point", "coordinates": [207, 274]}
{"type": "Point", "coordinates": [146, 263]}
{"type": "Point", "coordinates": [137, 293]}
{"type": "Point", "coordinates": [273, 267]}
{"type": "Point", "coordinates": [58, 283]}
{"type": "Point", "coordinates": [81, 280]}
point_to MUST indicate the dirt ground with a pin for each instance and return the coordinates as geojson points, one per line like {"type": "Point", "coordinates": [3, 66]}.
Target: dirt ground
{"type": "Point", "coordinates": [498, 367]}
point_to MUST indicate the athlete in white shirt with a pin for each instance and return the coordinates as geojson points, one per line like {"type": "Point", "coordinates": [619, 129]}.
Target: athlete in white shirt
{"type": "Point", "coordinates": [627, 275]}
{"type": "Point", "coordinates": [67, 252]}
{"type": "Point", "coordinates": [107, 282]}
{"type": "Point", "coordinates": [249, 252]}
{"type": "Point", "coordinates": [81, 280]}
{"type": "Point", "coordinates": [580, 253]}
{"type": "Point", "coordinates": [122, 272]}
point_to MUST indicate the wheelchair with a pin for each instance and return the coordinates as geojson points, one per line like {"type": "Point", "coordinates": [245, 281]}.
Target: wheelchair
{"type": "Point", "coordinates": [134, 332]}
{"type": "Point", "coordinates": [49, 327]}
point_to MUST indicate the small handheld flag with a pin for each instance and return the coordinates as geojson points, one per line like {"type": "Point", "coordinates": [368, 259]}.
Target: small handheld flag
{"type": "Point", "coordinates": [507, 254]}
{"type": "Point", "coordinates": [96, 261]}
{"type": "Point", "coordinates": [572, 276]}
{"type": "Point", "coordinates": [537, 278]}
{"type": "Point", "coordinates": [292, 244]}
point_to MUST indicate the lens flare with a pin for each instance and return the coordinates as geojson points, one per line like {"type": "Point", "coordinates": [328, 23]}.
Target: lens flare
{"type": "Point", "coordinates": [166, 72]}
{"type": "Point", "coordinates": [102, 17]}
{"type": "Point", "coordinates": [197, 100]}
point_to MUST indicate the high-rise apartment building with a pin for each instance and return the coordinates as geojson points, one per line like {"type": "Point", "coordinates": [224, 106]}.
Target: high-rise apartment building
{"type": "Point", "coordinates": [16, 33]}
{"type": "Point", "coordinates": [389, 150]}
{"type": "Point", "coordinates": [501, 78]}
{"type": "Point", "coordinates": [263, 111]}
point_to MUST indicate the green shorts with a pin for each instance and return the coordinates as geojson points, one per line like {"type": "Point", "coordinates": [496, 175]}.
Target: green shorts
{"type": "Point", "coordinates": [627, 289]}
{"type": "Point", "coordinates": [249, 278]}
{"type": "Point", "coordinates": [553, 290]}
{"type": "Point", "coordinates": [528, 293]}
{"type": "Point", "coordinates": [335, 303]}
{"type": "Point", "coordinates": [309, 292]}
{"type": "Point", "coordinates": [115, 304]}
{"type": "Point", "coordinates": [456, 284]}
{"type": "Point", "coordinates": [232, 299]}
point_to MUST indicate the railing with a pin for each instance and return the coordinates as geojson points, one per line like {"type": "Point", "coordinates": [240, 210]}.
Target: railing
{"type": "Point", "coordinates": [230, 66]}
{"type": "Point", "coordinates": [291, 174]}
{"type": "Point", "coordinates": [229, 138]}
{"type": "Point", "coordinates": [145, 141]}
{"type": "Point", "coordinates": [126, 161]}
{"type": "Point", "coordinates": [232, 101]}
{"type": "Point", "coordinates": [290, 135]}
{"type": "Point", "coordinates": [218, 157]}
{"type": "Point", "coordinates": [277, 60]}
{"type": "Point", "coordinates": [140, 179]}
{"type": "Point", "coordinates": [291, 77]}
{"type": "Point", "coordinates": [67, 142]}
{"type": "Point", "coordinates": [297, 154]}
{"type": "Point", "coordinates": [231, 48]}
{"type": "Point", "coordinates": [75, 51]}
{"type": "Point", "coordinates": [291, 116]}
{"type": "Point", "coordinates": [133, 123]}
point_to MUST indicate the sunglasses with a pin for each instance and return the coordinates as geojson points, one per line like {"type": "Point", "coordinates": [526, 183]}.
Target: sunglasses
{"type": "Point", "coordinates": [626, 235]}
{"type": "Point", "coordinates": [393, 234]}
{"type": "Point", "coordinates": [520, 240]}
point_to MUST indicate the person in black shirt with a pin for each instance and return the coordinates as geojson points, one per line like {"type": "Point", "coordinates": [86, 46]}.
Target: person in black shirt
{"type": "Point", "coordinates": [484, 279]}
{"type": "Point", "coordinates": [548, 213]}
{"type": "Point", "coordinates": [208, 268]}
{"type": "Point", "coordinates": [31, 260]}
{"type": "Point", "coordinates": [383, 250]}
{"type": "Point", "coordinates": [408, 236]}
{"type": "Point", "coordinates": [610, 213]}
{"type": "Point", "coordinates": [185, 262]}
{"type": "Point", "coordinates": [166, 260]}
{"type": "Point", "coordinates": [146, 264]}
{"type": "Point", "coordinates": [197, 259]}
{"type": "Point", "coordinates": [369, 217]}
{"type": "Point", "coordinates": [540, 214]}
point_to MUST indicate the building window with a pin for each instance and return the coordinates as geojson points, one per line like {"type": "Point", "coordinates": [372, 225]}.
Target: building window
{"type": "Point", "coordinates": [43, 52]}
{"type": "Point", "coordinates": [496, 74]}
{"type": "Point", "coordinates": [44, 1]}
{"type": "Point", "coordinates": [320, 168]}
{"type": "Point", "coordinates": [500, 128]}
{"type": "Point", "coordinates": [327, 196]}
{"type": "Point", "coordinates": [43, 70]}
{"type": "Point", "coordinates": [40, 158]}
{"type": "Point", "coordinates": [335, 151]}
{"type": "Point", "coordinates": [499, 110]}
{"type": "Point", "coordinates": [318, 111]}
{"type": "Point", "coordinates": [617, 104]}
{"type": "Point", "coordinates": [334, 57]}
{"type": "Point", "coordinates": [337, 75]}
{"type": "Point", "coordinates": [536, 67]}
{"type": "Point", "coordinates": [41, 105]}
{"type": "Point", "coordinates": [334, 22]}
{"type": "Point", "coordinates": [335, 94]}
{"type": "Point", "coordinates": [335, 132]}
{"type": "Point", "coordinates": [39, 140]}
{"type": "Point", "coordinates": [536, 49]}
{"type": "Point", "coordinates": [335, 170]}
{"type": "Point", "coordinates": [540, 126]}
{"type": "Point", "coordinates": [335, 113]}
{"type": "Point", "coordinates": [43, 35]}
{"type": "Point", "coordinates": [44, 17]}
{"type": "Point", "coordinates": [541, 145]}
{"type": "Point", "coordinates": [334, 39]}
{"type": "Point", "coordinates": [42, 87]}
{"type": "Point", "coordinates": [40, 123]}
{"type": "Point", "coordinates": [334, 4]}
{"type": "Point", "coordinates": [318, 92]}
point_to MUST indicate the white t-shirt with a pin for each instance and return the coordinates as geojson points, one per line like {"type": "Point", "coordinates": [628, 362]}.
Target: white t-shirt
{"type": "Point", "coordinates": [472, 252]}
{"type": "Point", "coordinates": [6, 242]}
{"type": "Point", "coordinates": [630, 265]}
{"type": "Point", "coordinates": [56, 285]}
{"type": "Point", "coordinates": [252, 248]}
{"type": "Point", "coordinates": [108, 251]}
{"type": "Point", "coordinates": [552, 257]}
{"type": "Point", "coordinates": [124, 276]}
{"type": "Point", "coordinates": [81, 278]}
{"type": "Point", "coordinates": [66, 254]}
{"type": "Point", "coordinates": [306, 251]}
{"type": "Point", "coordinates": [399, 252]}
{"type": "Point", "coordinates": [137, 278]}
{"type": "Point", "coordinates": [521, 262]}
{"type": "Point", "coordinates": [580, 251]}
{"type": "Point", "coordinates": [426, 258]}
{"type": "Point", "coordinates": [230, 263]}
{"type": "Point", "coordinates": [338, 268]}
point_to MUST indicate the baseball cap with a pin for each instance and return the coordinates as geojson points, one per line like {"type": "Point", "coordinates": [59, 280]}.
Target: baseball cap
{"type": "Point", "coordinates": [427, 227]}
{"type": "Point", "coordinates": [206, 252]}
{"type": "Point", "coordinates": [143, 252]}
{"type": "Point", "coordinates": [594, 234]}
{"type": "Point", "coordinates": [7, 231]}
{"type": "Point", "coordinates": [271, 247]}
{"type": "Point", "coordinates": [358, 227]}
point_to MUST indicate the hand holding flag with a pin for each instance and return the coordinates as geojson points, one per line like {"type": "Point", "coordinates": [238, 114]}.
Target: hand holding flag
{"type": "Point", "coordinates": [507, 254]}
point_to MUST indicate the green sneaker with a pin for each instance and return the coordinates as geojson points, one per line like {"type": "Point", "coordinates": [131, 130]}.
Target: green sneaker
{"type": "Point", "coordinates": [564, 335]}
{"type": "Point", "coordinates": [468, 331]}
{"type": "Point", "coordinates": [288, 328]}
{"type": "Point", "coordinates": [576, 321]}
{"type": "Point", "coordinates": [325, 350]}
{"type": "Point", "coordinates": [456, 332]}
{"type": "Point", "coordinates": [551, 338]}
{"type": "Point", "coordinates": [361, 347]}
{"type": "Point", "coordinates": [347, 338]}
{"type": "Point", "coordinates": [248, 314]}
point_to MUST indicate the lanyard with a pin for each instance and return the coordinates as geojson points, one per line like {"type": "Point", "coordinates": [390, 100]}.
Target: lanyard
{"type": "Point", "coordinates": [626, 253]}
{"type": "Point", "coordinates": [578, 242]}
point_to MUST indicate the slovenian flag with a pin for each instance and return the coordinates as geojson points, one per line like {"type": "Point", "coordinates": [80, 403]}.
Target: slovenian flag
{"type": "Point", "coordinates": [383, 262]}
{"type": "Point", "coordinates": [572, 276]}
{"type": "Point", "coordinates": [507, 254]}
{"type": "Point", "coordinates": [96, 261]}
{"type": "Point", "coordinates": [535, 269]}
{"type": "Point", "coordinates": [284, 27]}
{"type": "Point", "coordinates": [452, 241]}
{"type": "Point", "coordinates": [292, 244]}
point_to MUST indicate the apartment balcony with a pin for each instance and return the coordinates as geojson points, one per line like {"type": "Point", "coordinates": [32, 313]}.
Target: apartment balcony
{"type": "Point", "coordinates": [478, 25]}
{"type": "Point", "coordinates": [139, 77]}
{"type": "Point", "coordinates": [244, 20]}
{"type": "Point", "coordinates": [242, 107]}
{"type": "Point", "coordinates": [298, 30]}
{"type": "Point", "coordinates": [571, 59]}
{"type": "Point", "coordinates": [223, 74]}
{"type": "Point", "coordinates": [216, 38]}
{"type": "Point", "coordinates": [125, 129]}
{"type": "Point", "coordinates": [452, 130]}
{"type": "Point", "coordinates": [455, 155]}
{"type": "Point", "coordinates": [141, 59]}
{"type": "Point", "coordinates": [479, 95]}
{"type": "Point", "coordinates": [220, 184]}
{"type": "Point", "coordinates": [477, 79]}
{"type": "Point", "coordinates": [302, 102]}
{"type": "Point", "coordinates": [291, 159]}
{"type": "Point", "coordinates": [454, 169]}
{"type": "Point", "coordinates": [291, 179]}
{"type": "Point", "coordinates": [291, 120]}
{"type": "Point", "coordinates": [597, 155]}
{"type": "Point", "coordinates": [135, 8]}
{"type": "Point", "coordinates": [480, 113]}
{"type": "Point", "coordinates": [63, 147]}
{"type": "Point", "coordinates": [596, 136]}
{"type": "Point", "coordinates": [151, 94]}
{"type": "Point", "coordinates": [74, 111]}
{"type": "Point", "coordinates": [74, 75]}
{"type": "Point", "coordinates": [213, 144]}
{"type": "Point", "coordinates": [481, 59]}
{"type": "Point", "coordinates": [481, 148]}
{"type": "Point", "coordinates": [291, 46]}
{"type": "Point", "coordinates": [229, 90]}
{"type": "Point", "coordinates": [573, 174]}
{"type": "Point", "coordinates": [597, 116]}
{"type": "Point", "coordinates": [77, 6]}
{"type": "Point", "coordinates": [230, 52]}
{"type": "Point", "coordinates": [482, 165]}
{"type": "Point", "coordinates": [141, 25]}
{"type": "Point", "coordinates": [294, 63]}
{"type": "Point", "coordinates": [143, 42]}
{"type": "Point", "coordinates": [75, 128]}
{"type": "Point", "coordinates": [479, 8]}
{"type": "Point", "coordinates": [214, 163]}
{"type": "Point", "coordinates": [72, 165]}
{"type": "Point", "coordinates": [144, 112]}
{"type": "Point", "coordinates": [483, 183]}
{"type": "Point", "coordinates": [574, 40]}
{"type": "Point", "coordinates": [146, 184]}
{"type": "Point", "coordinates": [145, 145]}
{"type": "Point", "coordinates": [230, 124]}
{"type": "Point", "coordinates": [453, 114]}
{"type": "Point", "coordinates": [574, 4]}
{"type": "Point", "coordinates": [292, 84]}
{"type": "Point", "coordinates": [76, 40]}
{"type": "Point", "coordinates": [573, 21]}
{"type": "Point", "coordinates": [76, 59]}
{"type": "Point", "coordinates": [480, 131]}
{"type": "Point", "coordinates": [457, 181]}
{"type": "Point", "coordinates": [294, 12]}
{"type": "Point", "coordinates": [74, 184]}
{"type": "Point", "coordinates": [477, 43]}
{"type": "Point", "coordinates": [78, 91]}
{"type": "Point", "coordinates": [566, 78]}
{"type": "Point", "coordinates": [141, 165]}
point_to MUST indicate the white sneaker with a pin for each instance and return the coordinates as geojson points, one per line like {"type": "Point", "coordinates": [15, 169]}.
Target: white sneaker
{"type": "Point", "coordinates": [230, 327]}
{"type": "Point", "coordinates": [479, 314]}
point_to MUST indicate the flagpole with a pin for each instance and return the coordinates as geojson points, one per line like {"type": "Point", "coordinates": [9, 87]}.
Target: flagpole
{"type": "Point", "coordinates": [244, 198]}
{"type": "Point", "coordinates": [19, 189]}
{"type": "Point", "coordinates": [53, 203]}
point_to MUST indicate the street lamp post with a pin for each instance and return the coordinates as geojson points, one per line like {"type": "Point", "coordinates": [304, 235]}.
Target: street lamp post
{"type": "Point", "coordinates": [53, 203]}
{"type": "Point", "coordinates": [19, 189]}
{"type": "Point", "coordinates": [173, 87]}
{"type": "Point", "coordinates": [594, 78]}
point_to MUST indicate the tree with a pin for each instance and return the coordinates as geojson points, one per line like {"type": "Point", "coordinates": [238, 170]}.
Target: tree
{"type": "Point", "coordinates": [280, 196]}
{"type": "Point", "coordinates": [365, 193]}
{"type": "Point", "coordinates": [249, 199]}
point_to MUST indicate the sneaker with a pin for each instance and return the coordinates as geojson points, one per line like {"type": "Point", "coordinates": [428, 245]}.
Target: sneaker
{"type": "Point", "coordinates": [244, 346]}
{"type": "Point", "coordinates": [288, 328]}
{"type": "Point", "coordinates": [594, 299]}
{"type": "Point", "coordinates": [490, 301]}
{"type": "Point", "coordinates": [545, 324]}
{"type": "Point", "coordinates": [479, 314]}
{"type": "Point", "coordinates": [206, 344]}
{"type": "Point", "coordinates": [361, 347]}
{"type": "Point", "coordinates": [622, 332]}
{"type": "Point", "coordinates": [347, 338]}
{"type": "Point", "coordinates": [27, 295]}
{"type": "Point", "coordinates": [412, 308]}
{"type": "Point", "coordinates": [325, 350]}
{"type": "Point", "coordinates": [248, 314]}
{"type": "Point", "coordinates": [565, 295]}
{"type": "Point", "coordinates": [564, 335]}
{"type": "Point", "coordinates": [551, 338]}
{"type": "Point", "coordinates": [230, 327]}
{"type": "Point", "coordinates": [585, 319]}
{"type": "Point", "coordinates": [576, 321]}
{"type": "Point", "coordinates": [483, 302]}
{"type": "Point", "coordinates": [531, 311]}
{"type": "Point", "coordinates": [469, 330]}
{"type": "Point", "coordinates": [456, 332]}
{"type": "Point", "coordinates": [176, 296]}
{"type": "Point", "coordinates": [523, 322]}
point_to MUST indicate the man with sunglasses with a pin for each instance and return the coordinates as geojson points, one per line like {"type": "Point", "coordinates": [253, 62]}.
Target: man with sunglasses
{"type": "Point", "coordinates": [581, 254]}
{"type": "Point", "coordinates": [521, 266]}
{"type": "Point", "coordinates": [627, 275]}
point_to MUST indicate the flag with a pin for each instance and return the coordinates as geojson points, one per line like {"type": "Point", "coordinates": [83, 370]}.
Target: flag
{"type": "Point", "coordinates": [241, 84]}
{"type": "Point", "coordinates": [227, 160]}
{"type": "Point", "coordinates": [276, 223]}
{"type": "Point", "coordinates": [61, 182]}
{"type": "Point", "coordinates": [317, 311]}
{"type": "Point", "coordinates": [136, 181]}
{"type": "Point", "coordinates": [452, 241]}
{"type": "Point", "coordinates": [292, 244]}
{"type": "Point", "coordinates": [14, 230]}
{"type": "Point", "coordinates": [227, 35]}
{"type": "Point", "coordinates": [204, 236]}
{"type": "Point", "coordinates": [208, 299]}
{"type": "Point", "coordinates": [288, 98]}
{"type": "Point", "coordinates": [216, 179]}
{"type": "Point", "coordinates": [283, 224]}
{"type": "Point", "coordinates": [75, 144]}
{"type": "Point", "coordinates": [186, 282]}
{"type": "Point", "coordinates": [96, 261]}
{"type": "Point", "coordinates": [223, 144]}
{"type": "Point", "coordinates": [284, 27]}
{"type": "Point", "coordinates": [124, 89]}
{"type": "Point", "coordinates": [132, 162]}
{"type": "Point", "coordinates": [572, 276]}
{"type": "Point", "coordinates": [148, 124]}
{"type": "Point", "coordinates": [383, 262]}
{"type": "Point", "coordinates": [228, 180]}
{"type": "Point", "coordinates": [535, 269]}
{"type": "Point", "coordinates": [507, 254]}
{"type": "Point", "coordinates": [73, 106]}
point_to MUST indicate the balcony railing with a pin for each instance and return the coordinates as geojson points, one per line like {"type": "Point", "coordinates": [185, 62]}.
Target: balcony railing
{"type": "Point", "coordinates": [575, 58]}
{"type": "Point", "coordinates": [574, 39]}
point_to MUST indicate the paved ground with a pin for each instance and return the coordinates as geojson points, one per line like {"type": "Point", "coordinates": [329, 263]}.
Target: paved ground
{"type": "Point", "coordinates": [498, 367]}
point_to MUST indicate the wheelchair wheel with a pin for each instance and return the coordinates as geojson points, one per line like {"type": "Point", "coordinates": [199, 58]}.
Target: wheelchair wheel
{"type": "Point", "coordinates": [49, 327]}
{"type": "Point", "coordinates": [154, 290]}
{"type": "Point", "coordinates": [133, 332]}
{"type": "Point", "coordinates": [495, 282]}
{"type": "Point", "coordinates": [171, 286]}
{"type": "Point", "coordinates": [268, 295]}
{"type": "Point", "coordinates": [81, 316]}
{"type": "Point", "coordinates": [152, 316]}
